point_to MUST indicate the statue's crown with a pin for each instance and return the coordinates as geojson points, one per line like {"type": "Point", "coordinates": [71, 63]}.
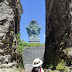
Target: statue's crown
{"type": "Point", "coordinates": [33, 22]}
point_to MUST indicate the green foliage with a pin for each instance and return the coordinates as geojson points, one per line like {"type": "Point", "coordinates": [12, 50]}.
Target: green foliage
{"type": "Point", "coordinates": [71, 62]}
{"type": "Point", "coordinates": [20, 44]}
{"type": "Point", "coordinates": [62, 43]}
{"type": "Point", "coordinates": [61, 66]}
{"type": "Point", "coordinates": [51, 66]}
{"type": "Point", "coordinates": [33, 45]}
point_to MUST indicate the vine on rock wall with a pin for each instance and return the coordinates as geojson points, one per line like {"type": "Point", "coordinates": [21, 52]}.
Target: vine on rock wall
{"type": "Point", "coordinates": [19, 49]}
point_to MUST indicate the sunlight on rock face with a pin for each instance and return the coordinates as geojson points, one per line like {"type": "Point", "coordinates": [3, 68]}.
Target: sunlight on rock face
{"type": "Point", "coordinates": [6, 17]}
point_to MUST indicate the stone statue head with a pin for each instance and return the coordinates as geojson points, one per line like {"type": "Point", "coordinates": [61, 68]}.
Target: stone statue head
{"type": "Point", "coordinates": [33, 23]}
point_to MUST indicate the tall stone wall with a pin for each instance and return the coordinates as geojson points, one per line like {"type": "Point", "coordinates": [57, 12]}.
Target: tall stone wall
{"type": "Point", "coordinates": [58, 31]}
{"type": "Point", "coordinates": [10, 14]}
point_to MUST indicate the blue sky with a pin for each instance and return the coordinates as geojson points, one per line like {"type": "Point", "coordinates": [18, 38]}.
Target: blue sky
{"type": "Point", "coordinates": [32, 9]}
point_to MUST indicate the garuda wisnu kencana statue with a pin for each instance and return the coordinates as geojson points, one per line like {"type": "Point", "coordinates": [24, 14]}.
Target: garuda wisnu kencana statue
{"type": "Point", "coordinates": [33, 30]}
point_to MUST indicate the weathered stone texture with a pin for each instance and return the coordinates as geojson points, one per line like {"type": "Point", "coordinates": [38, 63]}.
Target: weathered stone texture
{"type": "Point", "coordinates": [10, 13]}
{"type": "Point", "coordinates": [57, 30]}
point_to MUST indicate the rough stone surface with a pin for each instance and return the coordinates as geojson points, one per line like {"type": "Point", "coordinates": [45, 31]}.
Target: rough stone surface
{"type": "Point", "coordinates": [58, 30]}
{"type": "Point", "coordinates": [11, 70]}
{"type": "Point", "coordinates": [5, 59]}
{"type": "Point", "coordinates": [10, 14]}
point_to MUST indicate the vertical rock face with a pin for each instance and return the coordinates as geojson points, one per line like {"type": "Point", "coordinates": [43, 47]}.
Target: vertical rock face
{"type": "Point", "coordinates": [6, 23]}
{"type": "Point", "coordinates": [10, 13]}
{"type": "Point", "coordinates": [58, 30]}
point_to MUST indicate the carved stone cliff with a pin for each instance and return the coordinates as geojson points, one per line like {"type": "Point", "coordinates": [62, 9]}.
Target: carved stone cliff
{"type": "Point", "coordinates": [10, 14]}
{"type": "Point", "coordinates": [58, 32]}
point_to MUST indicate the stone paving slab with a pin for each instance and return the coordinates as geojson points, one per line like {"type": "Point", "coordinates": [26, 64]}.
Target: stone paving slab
{"type": "Point", "coordinates": [28, 67]}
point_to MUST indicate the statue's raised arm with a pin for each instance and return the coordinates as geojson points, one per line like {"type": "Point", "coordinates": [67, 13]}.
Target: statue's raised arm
{"type": "Point", "coordinates": [39, 28]}
{"type": "Point", "coordinates": [28, 30]}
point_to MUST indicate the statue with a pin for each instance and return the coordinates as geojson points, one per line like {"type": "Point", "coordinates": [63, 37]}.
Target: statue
{"type": "Point", "coordinates": [33, 30]}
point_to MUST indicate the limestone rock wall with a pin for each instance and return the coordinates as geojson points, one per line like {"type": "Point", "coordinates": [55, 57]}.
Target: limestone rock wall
{"type": "Point", "coordinates": [10, 14]}
{"type": "Point", "coordinates": [58, 30]}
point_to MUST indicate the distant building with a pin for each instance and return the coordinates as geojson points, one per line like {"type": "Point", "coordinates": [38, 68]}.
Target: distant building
{"type": "Point", "coordinates": [33, 31]}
